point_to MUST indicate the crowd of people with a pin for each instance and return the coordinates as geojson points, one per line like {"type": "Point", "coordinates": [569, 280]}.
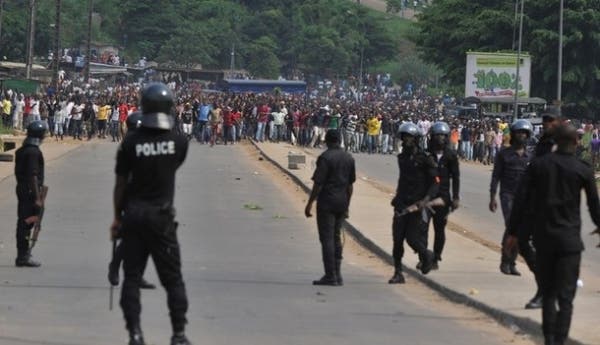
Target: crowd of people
{"type": "Point", "coordinates": [367, 117]}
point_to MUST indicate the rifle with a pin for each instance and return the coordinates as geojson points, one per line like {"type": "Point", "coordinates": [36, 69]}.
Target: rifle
{"type": "Point", "coordinates": [110, 298]}
{"type": "Point", "coordinates": [38, 223]}
{"type": "Point", "coordinates": [415, 207]}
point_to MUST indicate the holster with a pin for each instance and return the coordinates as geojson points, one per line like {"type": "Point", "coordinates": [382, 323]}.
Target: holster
{"type": "Point", "coordinates": [160, 218]}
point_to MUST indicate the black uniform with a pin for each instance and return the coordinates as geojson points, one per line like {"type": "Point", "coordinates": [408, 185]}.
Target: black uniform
{"type": "Point", "coordinates": [29, 169]}
{"type": "Point", "coordinates": [335, 173]}
{"type": "Point", "coordinates": [418, 180]}
{"type": "Point", "coordinates": [509, 167]}
{"type": "Point", "coordinates": [149, 159]}
{"type": "Point", "coordinates": [555, 182]}
{"type": "Point", "coordinates": [521, 218]}
{"type": "Point", "coordinates": [447, 171]}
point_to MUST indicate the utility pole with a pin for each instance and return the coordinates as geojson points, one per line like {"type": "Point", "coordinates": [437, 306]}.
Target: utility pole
{"type": "Point", "coordinates": [232, 61]}
{"type": "Point", "coordinates": [514, 41]}
{"type": "Point", "coordinates": [516, 101]}
{"type": "Point", "coordinates": [56, 47]}
{"type": "Point", "coordinates": [560, 56]}
{"type": "Point", "coordinates": [30, 41]}
{"type": "Point", "coordinates": [1, 16]}
{"type": "Point", "coordinates": [88, 54]}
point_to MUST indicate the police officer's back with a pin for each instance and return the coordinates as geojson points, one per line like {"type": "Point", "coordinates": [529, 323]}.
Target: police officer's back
{"type": "Point", "coordinates": [146, 164]}
{"type": "Point", "coordinates": [29, 171]}
{"type": "Point", "coordinates": [333, 180]}
{"type": "Point", "coordinates": [555, 183]}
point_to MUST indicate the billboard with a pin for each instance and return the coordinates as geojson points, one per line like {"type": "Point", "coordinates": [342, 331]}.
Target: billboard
{"type": "Point", "coordinates": [494, 74]}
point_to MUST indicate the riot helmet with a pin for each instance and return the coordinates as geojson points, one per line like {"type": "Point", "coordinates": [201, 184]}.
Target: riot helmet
{"type": "Point", "coordinates": [439, 135]}
{"type": "Point", "coordinates": [157, 101]}
{"type": "Point", "coordinates": [522, 125]}
{"type": "Point", "coordinates": [409, 134]}
{"type": "Point", "coordinates": [134, 120]}
{"type": "Point", "coordinates": [408, 128]}
{"type": "Point", "coordinates": [36, 131]}
{"type": "Point", "coordinates": [440, 127]}
{"type": "Point", "coordinates": [520, 131]}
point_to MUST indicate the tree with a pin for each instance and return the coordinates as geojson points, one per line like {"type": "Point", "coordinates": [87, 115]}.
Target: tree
{"type": "Point", "coordinates": [262, 61]}
{"type": "Point", "coordinates": [393, 6]}
{"type": "Point", "coordinates": [450, 28]}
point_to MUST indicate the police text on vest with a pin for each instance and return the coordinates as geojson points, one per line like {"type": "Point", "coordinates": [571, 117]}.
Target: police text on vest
{"type": "Point", "coordinates": [155, 149]}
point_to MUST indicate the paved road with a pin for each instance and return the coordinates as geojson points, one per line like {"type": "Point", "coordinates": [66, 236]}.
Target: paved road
{"type": "Point", "coordinates": [248, 272]}
{"type": "Point", "coordinates": [474, 214]}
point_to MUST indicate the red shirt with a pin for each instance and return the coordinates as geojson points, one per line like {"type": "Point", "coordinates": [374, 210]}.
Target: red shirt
{"type": "Point", "coordinates": [227, 118]}
{"type": "Point", "coordinates": [27, 109]}
{"type": "Point", "coordinates": [263, 113]}
{"type": "Point", "coordinates": [236, 116]}
{"type": "Point", "coordinates": [123, 112]}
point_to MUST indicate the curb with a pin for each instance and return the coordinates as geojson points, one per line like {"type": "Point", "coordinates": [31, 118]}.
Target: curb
{"type": "Point", "coordinates": [532, 328]}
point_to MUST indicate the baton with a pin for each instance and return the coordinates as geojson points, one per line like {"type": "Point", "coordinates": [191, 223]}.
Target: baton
{"type": "Point", "coordinates": [110, 298]}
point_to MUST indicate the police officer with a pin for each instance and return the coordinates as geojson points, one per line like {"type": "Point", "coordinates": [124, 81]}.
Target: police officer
{"type": "Point", "coordinates": [448, 171]}
{"type": "Point", "coordinates": [333, 179]}
{"type": "Point", "coordinates": [418, 183]}
{"type": "Point", "coordinates": [146, 164]}
{"type": "Point", "coordinates": [555, 182]}
{"type": "Point", "coordinates": [133, 122]}
{"type": "Point", "coordinates": [519, 229]}
{"type": "Point", "coordinates": [29, 171]}
{"type": "Point", "coordinates": [509, 167]}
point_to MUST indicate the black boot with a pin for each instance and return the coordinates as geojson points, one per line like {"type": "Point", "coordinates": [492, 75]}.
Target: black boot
{"type": "Point", "coordinates": [427, 262]}
{"type": "Point", "coordinates": [338, 272]}
{"type": "Point", "coordinates": [26, 261]}
{"type": "Point", "coordinates": [436, 259]}
{"type": "Point", "coordinates": [180, 339]}
{"type": "Point", "coordinates": [113, 273]}
{"type": "Point", "coordinates": [535, 303]}
{"type": "Point", "coordinates": [330, 280]}
{"type": "Point", "coordinates": [144, 284]}
{"type": "Point", "coordinates": [397, 278]}
{"type": "Point", "coordinates": [513, 270]}
{"type": "Point", "coordinates": [136, 337]}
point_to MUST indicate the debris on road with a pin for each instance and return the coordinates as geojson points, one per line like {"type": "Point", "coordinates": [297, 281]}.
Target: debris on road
{"type": "Point", "coordinates": [252, 207]}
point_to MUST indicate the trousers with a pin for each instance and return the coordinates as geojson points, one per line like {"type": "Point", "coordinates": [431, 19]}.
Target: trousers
{"type": "Point", "coordinates": [413, 229]}
{"type": "Point", "coordinates": [440, 219]}
{"type": "Point", "coordinates": [151, 231]}
{"type": "Point", "coordinates": [558, 278]}
{"type": "Point", "coordinates": [506, 203]}
{"type": "Point", "coordinates": [330, 225]}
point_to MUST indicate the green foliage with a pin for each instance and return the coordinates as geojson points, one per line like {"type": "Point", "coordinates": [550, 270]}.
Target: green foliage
{"type": "Point", "coordinates": [450, 28]}
{"type": "Point", "coordinates": [393, 6]}
{"type": "Point", "coordinates": [324, 37]}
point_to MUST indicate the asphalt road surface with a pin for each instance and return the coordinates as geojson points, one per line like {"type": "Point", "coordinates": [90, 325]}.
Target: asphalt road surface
{"type": "Point", "coordinates": [473, 214]}
{"type": "Point", "coordinates": [249, 257]}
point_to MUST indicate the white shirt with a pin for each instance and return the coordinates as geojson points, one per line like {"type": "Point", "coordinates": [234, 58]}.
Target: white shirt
{"type": "Point", "coordinates": [19, 105]}
{"type": "Point", "coordinates": [35, 107]}
{"type": "Point", "coordinates": [114, 116]}
{"type": "Point", "coordinates": [278, 117]}
{"type": "Point", "coordinates": [78, 112]}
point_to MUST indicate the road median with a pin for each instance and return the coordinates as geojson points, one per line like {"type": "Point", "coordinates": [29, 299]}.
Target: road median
{"type": "Point", "coordinates": [469, 271]}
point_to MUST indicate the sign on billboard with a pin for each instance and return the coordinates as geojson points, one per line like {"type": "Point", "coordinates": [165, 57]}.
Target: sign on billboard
{"type": "Point", "coordinates": [494, 75]}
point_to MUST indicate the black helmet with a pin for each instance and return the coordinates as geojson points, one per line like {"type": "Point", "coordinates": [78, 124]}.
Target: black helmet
{"type": "Point", "coordinates": [134, 120]}
{"type": "Point", "coordinates": [440, 127]}
{"type": "Point", "coordinates": [410, 129]}
{"type": "Point", "coordinates": [37, 129]}
{"type": "Point", "coordinates": [157, 101]}
{"type": "Point", "coordinates": [522, 125]}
